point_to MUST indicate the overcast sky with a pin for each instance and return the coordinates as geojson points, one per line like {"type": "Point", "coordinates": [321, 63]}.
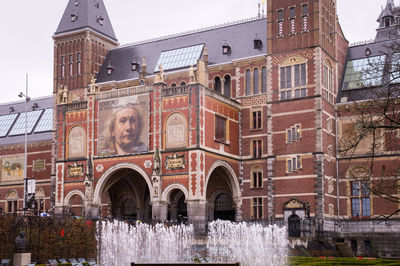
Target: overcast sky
{"type": "Point", "coordinates": [28, 25]}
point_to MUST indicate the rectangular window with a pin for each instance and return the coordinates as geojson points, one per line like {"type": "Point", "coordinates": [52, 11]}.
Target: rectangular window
{"type": "Point", "coordinates": [293, 164]}
{"type": "Point", "coordinates": [305, 10]}
{"type": "Point", "coordinates": [280, 14]}
{"type": "Point", "coordinates": [293, 133]}
{"type": "Point", "coordinates": [292, 12]}
{"type": "Point", "coordinates": [220, 128]}
{"type": "Point", "coordinates": [256, 208]}
{"type": "Point", "coordinates": [257, 179]}
{"type": "Point", "coordinates": [257, 148]}
{"type": "Point", "coordinates": [70, 58]}
{"type": "Point", "coordinates": [257, 119]}
{"type": "Point", "coordinates": [360, 200]}
{"type": "Point", "coordinates": [78, 56]}
{"type": "Point", "coordinates": [305, 23]}
{"type": "Point", "coordinates": [293, 75]}
{"type": "Point", "coordinates": [355, 207]}
{"type": "Point", "coordinates": [62, 60]}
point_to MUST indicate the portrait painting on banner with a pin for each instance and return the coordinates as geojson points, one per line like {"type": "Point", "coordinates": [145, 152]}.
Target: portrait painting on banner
{"type": "Point", "coordinates": [123, 126]}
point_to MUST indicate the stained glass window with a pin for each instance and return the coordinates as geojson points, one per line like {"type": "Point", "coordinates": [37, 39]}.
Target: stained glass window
{"type": "Point", "coordinates": [178, 58]}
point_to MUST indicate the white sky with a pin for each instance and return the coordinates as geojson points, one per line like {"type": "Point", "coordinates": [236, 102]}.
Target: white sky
{"type": "Point", "coordinates": [28, 26]}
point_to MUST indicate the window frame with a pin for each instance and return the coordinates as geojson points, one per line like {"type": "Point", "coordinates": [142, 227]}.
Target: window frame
{"type": "Point", "coordinates": [294, 163]}
{"type": "Point", "coordinates": [296, 129]}
{"type": "Point", "coordinates": [257, 148]}
{"type": "Point", "coordinates": [296, 86]}
{"type": "Point", "coordinates": [256, 181]}
{"type": "Point", "coordinates": [360, 198]}
{"type": "Point", "coordinates": [220, 125]}
{"type": "Point", "coordinates": [256, 207]}
{"type": "Point", "coordinates": [256, 118]}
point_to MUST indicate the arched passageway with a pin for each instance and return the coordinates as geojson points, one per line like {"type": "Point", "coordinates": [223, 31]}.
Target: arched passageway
{"type": "Point", "coordinates": [221, 192]}
{"type": "Point", "coordinates": [126, 195]}
{"type": "Point", "coordinates": [177, 209]}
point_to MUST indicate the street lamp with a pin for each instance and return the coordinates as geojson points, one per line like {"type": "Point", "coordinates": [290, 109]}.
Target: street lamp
{"type": "Point", "coordinates": [27, 99]}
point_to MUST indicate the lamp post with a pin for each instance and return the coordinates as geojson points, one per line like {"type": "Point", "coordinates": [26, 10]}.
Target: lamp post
{"type": "Point", "coordinates": [27, 99]}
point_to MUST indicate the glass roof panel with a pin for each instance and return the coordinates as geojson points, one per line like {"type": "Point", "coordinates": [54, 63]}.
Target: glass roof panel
{"type": "Point", "coordinates": [45, 122]}
{"type": "Point", "coordinates": [395, 73]}
{"type": "Point", "coordinates": [364, 72]}
{"type": "Point", "coordinates": [178, 58]}
{"type": "Point", "coordinates": [6, 121]}
{"type": "Point", "coordinates": [19, 126]}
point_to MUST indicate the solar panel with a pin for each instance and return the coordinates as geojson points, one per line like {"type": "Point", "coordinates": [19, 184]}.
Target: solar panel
{"type": "Point", "coordinates": [6, 122]}
{"type": "Point", "coordinates": [178, 58]}
{"type": "Point", "coordinates": [45, 122]}
{"type": "Point", "coordinates": [19, 126]}
{"type": "Point", "coordinates": [364, 72]}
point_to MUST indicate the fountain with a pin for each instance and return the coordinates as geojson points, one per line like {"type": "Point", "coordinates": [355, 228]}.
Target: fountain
{"type": "Point", "coordinates": [250, 244]}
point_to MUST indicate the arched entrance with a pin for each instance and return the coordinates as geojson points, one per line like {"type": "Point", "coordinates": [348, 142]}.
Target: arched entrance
{"type": "Point", "coordinates": [74, 206]}
{"type": "Point", "coordinates": [124, 194]}
{"type": "Point", "coordinates": [222, 193]}
{"type": "Point", "coordinates": [177, 209]}
{"type": "Point", "coordinates": [294, 225]}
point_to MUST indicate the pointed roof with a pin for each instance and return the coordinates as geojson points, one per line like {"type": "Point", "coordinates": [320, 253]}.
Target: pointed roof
{"type": "Point", "coordinates": [80, 14]}
{"type": "Point", "coordinates": [387, 11]}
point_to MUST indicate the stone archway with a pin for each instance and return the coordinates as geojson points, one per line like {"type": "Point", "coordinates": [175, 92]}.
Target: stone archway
{"type": "Point", "coordinates": [74, 203]}
{"type": "Point", "coordinates": [124, 191]}
{"type": "Point", "coordinates": [222, 193]}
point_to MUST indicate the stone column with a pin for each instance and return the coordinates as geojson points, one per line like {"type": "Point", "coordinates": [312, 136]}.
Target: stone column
{"type": "Point", "coordinates": [197, 214]}
{"type": "Point", "coordinates": [159, 211]}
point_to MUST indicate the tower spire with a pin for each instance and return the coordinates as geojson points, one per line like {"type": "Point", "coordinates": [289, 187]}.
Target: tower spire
{"type": "Point", "coordinates": [81, 14]}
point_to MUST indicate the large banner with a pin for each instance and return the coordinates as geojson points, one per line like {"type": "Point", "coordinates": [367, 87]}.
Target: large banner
{"type": "Point", "coordinates": [123, 126]}
{"type": "Point", "coordinates": [12, 167]}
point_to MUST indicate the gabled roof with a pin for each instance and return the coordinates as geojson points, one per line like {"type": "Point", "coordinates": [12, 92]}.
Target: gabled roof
{"type": "Point", "coordinates": [80, 14]}
{"type": "Point", "coordinates": [238, 35]}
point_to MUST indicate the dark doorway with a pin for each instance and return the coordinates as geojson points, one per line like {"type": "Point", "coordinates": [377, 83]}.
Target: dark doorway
{"type": "Point", "coordinates": [294, 226]}
{"type": "Point", "coordinates": [224, 208]}
{"type": "Point", "coordinates": [177, 209]}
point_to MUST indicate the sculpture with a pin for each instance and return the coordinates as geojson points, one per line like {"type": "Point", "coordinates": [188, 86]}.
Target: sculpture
{"type": "Point", "coordinates": [63, 93]}
{"type": "Point", "coordinates": [192, 76]}
{"type": "Point", "coordinates": [161, 73]}
{"type": "Point", "coordinates": [20, 242]}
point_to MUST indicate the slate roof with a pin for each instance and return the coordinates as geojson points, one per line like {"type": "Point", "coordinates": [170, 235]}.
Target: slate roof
{"type": "Point", "coordinates": [19, 107]}
{"type": "Point", "coordinates": [88, 13]}
{"type": "Point", "coordinates": [238, 35]}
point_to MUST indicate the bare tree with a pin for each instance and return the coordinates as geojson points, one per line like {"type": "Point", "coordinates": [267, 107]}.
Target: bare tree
{"type": "Point", "coordinates": [373, 136]}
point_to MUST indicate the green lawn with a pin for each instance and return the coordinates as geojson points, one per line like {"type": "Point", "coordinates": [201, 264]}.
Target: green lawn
{"type": "Point", "coordinates": [311, 261]}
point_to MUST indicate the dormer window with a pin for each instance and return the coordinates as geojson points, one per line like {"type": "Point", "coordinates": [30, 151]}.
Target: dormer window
{"type": "Point", "coordinates": [257, 43]}
{"type": "Point", "coordinates": [74, 17]}
{"type": "Point", "coordinates": [226, 49]}
{"type": "Point", "coordinates": [100, 20]}
{"type": "Point", "coordinates": [134, 64]}
{"type": "Point", "coordinates": [387, 22]}
{"type": "Point", "coordinates": [110, 68]}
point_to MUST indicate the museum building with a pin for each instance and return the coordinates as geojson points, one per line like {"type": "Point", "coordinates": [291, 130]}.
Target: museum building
{"type": "Point", "coordinates": [239, 121]}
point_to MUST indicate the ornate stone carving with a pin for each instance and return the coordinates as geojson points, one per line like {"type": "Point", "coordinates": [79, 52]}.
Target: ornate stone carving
{"type": "Point", "coordinates": [176, 135]}
{"type": "Point", "coordinates": [62, 94]}
{"type": "Point", "coordinates": [294, 204]}
{"type": "Point", "coordinates": [76, 142]}
{"type": "Point", "coordinates": [192, 76]}
{"type": "Point", "coordinates": [175, 162]}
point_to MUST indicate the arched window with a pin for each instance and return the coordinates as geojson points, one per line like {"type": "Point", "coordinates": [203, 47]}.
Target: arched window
{"type": "Point", "coordinates": [173, 85]}
{"type": "Point", "coordinates": [255, 81]}
{"type": "Point", "coordinates": [182, 83]}
{"type": "Point", "coordinates": [227, 86]}
{"type": "Point", "coordinates": [264, 80]}
{"type": "Point", "coordinates": [248, 81]}
{"type": "Point", "coordinates": [12, 201]}
{"type": "Point", "coordinates": [217, 84]}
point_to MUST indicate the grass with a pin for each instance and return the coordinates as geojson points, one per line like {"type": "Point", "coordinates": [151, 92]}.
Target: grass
{"type": "Point", "coordinates": [313, 261]}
